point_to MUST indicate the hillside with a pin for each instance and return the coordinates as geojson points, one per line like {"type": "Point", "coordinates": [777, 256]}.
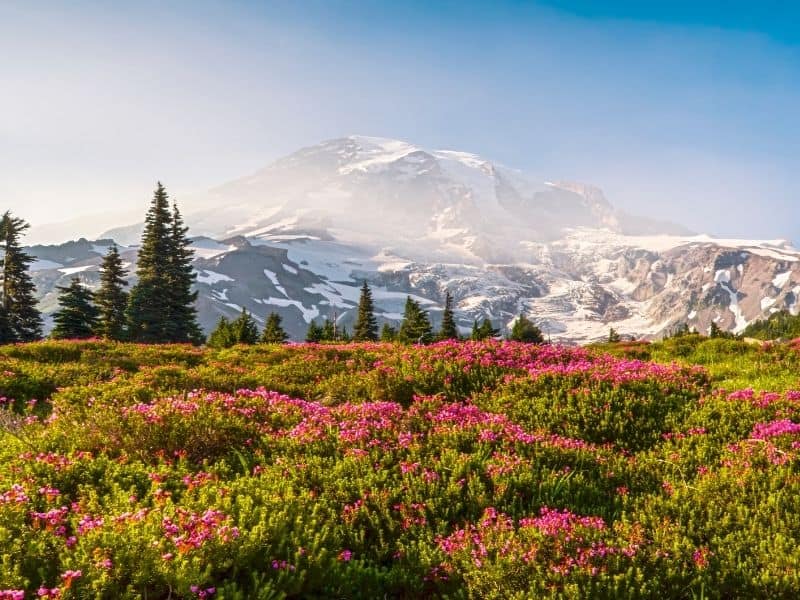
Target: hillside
{"type": "Point", "coordinates": [491, 470]}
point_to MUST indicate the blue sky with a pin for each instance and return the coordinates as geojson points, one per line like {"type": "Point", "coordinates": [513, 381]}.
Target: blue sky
{"type": "Point", "coordinates": [681, 110]}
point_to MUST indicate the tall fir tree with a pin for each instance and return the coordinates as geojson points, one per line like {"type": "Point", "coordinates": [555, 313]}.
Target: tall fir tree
{"type": "Point", "coordinates": [112, 299]}
{"type": "Point", "coordinates": [6, 334]}
{"type": "Point", "coordinates": [76, 317]}
{"type": "Point", "coordinates": [366, 327]}
{"type": "Point", "coordinates": [484, 331]}
{"type": "Point", "coordinates": [182, 323]}
{"type": "Point", "coordinates": [328, 331]}
{"type": "Point", "coordinates": [20, 321]}
{"type": "Point", "coordinates": [388, 333]}
{"type": "Point", "coordinates": [449, 330]}
{"type": "Point", "coordinates": [149, 307]}
{"type": "Point", "coordinates": [416, 326]}
{"type": "Point", "coordinates": [273, 330]}
{"type": "Point", "coordinates": [161, 306]}
{"type": "Point", "coordinates": [524, 330]}
{"type": "Point", "coordinates": [244, 329]}
{"type": "Point", "coordinates": [222, 335]}
{"type": "Point", "coordinates": [314, 333]}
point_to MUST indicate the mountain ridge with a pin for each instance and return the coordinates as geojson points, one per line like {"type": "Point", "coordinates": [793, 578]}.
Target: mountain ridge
{"type": "Point", "coordinates": [300, 235]}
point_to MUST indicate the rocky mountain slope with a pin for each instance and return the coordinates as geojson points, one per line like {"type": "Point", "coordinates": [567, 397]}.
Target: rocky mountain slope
{"type": "Point", "coordinates": [299, 236]}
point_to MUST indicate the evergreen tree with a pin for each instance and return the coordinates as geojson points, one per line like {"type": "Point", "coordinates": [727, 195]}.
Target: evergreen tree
{"type": "Point", "coordinates": [314, 333]}
{"type": "Point", "coordinates": [366, 327]}
{"type": "Point", "coordinates": [20, 321]}
{"type": "Point", "coordinates": [416, 326]}
{"type": "Point", "coordinates": [222, 336]}
{"type": "Point", "coordinates": [524, 330]}
{"type": "Point", "coordinates": [328, 331]}
{"type": "Point", "coordinates": [244, 329]}
{"type": "Point", "coordinates": [484, 331]}
{"type": "Point", "coordinates": [780, 325]}
{"type": "Point", "coordinates": [678, 330]}
{"type": "Point", "coordinates": [715, 331]}
{"type": "Point", "coordinates": [388, 333]}
{"type": "Point", "coordinates": [613, 336]}
{"type": "Point", "coordinates": [6, 334]}
{"type": "Point", "coordinates": [181, 326]}
{"type": "Point", "coordinates": [111, 298]}
{"type": "Point", "coordinates": [273, 330]}
{"type": "Point", "coordinates": [161, 306]}
{"type": "Point", "coordinates": [151, 301]}
{"type": "Point", "coordinates": [77, 316]}
{"type": "Point", "coordinates": [449, 330]}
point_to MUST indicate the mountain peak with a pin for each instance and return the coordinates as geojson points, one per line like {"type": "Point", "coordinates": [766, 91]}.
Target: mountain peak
{"type": "Point", "coordinates": [378, 190]}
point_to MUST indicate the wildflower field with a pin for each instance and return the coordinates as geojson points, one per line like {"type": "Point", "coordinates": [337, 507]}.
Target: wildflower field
{"type": "Point", "coordinates": [461, 470]}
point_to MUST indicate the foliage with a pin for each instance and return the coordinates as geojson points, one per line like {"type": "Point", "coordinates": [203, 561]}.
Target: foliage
{"type": "Point", "coordinates": [715, 331]}
{"type": "Point", "coordinates": [524, 330]}
{"type": "Point", "coordinates": [388, 333]}
{"type": "Point", "coordinates": [181, 323]}
{"type": "Point", "coordinates": [779, 325]}
{"type": "Point", "coordinates": [161, 306]}
{"type": "Point", "coordinates": [222, 335]}
{"type": "Point", "coordinates": [483, 331]}
{"type": "Point", "coordinates": [273, 330]}
{"type": "Point", "coordinates": [366, 327]}
{"type": "Point", "coordinates": [148, 308]}
{"type": "Point", "coordinates": [76, 317]}
{"type": "Point", "coordinates": [328, 330]}
{"type": "Point", "coordinates": [449, 329]}
{"type": "Point", "coordinates": [20, 321]}
{"type": "Point", "coordinates": [457, 469]}
{"type": "Point", "coordinates": [242, 330]}
{"type": "Point", "coordinates": [112, 299]}
{"type": "Point", "coordinates": [679, 330]}
{"type": "Point", "coordinates": [416, 325]}
{"type": "Point", "coordinates": [314, 333]}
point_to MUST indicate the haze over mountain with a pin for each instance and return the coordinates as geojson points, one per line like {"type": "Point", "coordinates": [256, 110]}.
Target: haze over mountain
{"type": "Point", "coordinates": [678, 110]}
{"type": "Point", "coordinates": [429, 203]}
{"type": "Point", "coordinates": [301, 234]}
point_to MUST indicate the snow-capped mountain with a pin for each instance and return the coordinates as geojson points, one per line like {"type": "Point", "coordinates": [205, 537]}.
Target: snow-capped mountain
{"type": "Point", "coordinates": [428, 204]}
{"type": "Point", "coordinates": [299, 236]}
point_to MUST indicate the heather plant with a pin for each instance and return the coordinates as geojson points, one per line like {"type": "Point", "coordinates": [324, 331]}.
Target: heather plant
{"type": "Point", "coordinates": [475, 470]}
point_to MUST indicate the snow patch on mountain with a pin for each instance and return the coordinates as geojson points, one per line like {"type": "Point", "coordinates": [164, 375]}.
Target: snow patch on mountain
{"type": "Point", "coordinates": [309, 314]}
{"type": "Point", "coordinates": [781, 279]}
{"type": "Point", "coordinates": [44, 265]}
{"type": "Point", "coordinates": [211, 277]}
{"type": "Point", "coordinates": [274, 280]}
{"type": "Point", "coordinates": [301, 235]}
{"type": "Point", "coordinates": [74, 270]}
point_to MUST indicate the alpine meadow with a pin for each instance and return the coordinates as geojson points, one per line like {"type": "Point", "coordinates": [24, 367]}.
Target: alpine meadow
{"type": "Point", "coordinates": [370, 300]}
